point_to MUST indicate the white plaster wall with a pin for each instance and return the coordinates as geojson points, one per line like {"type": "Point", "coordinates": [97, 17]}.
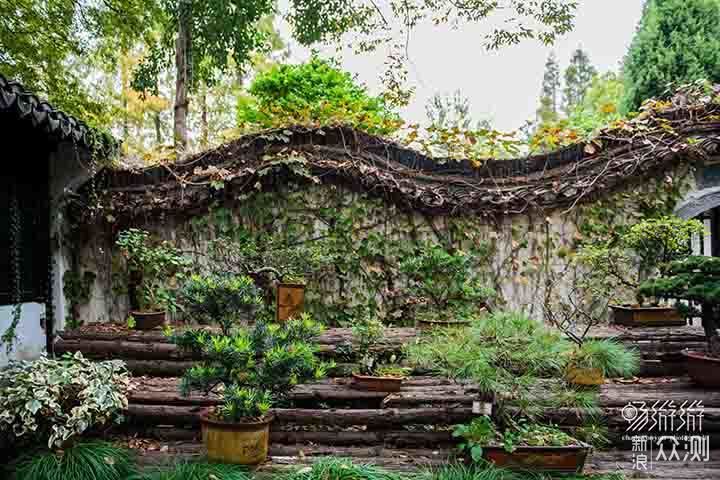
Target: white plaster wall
{"type": "Point", "coordinates": [31, 334]}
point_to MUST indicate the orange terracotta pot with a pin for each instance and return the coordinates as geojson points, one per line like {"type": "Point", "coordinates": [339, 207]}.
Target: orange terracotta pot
{"type": "Point", "coordinates": [238, 443]}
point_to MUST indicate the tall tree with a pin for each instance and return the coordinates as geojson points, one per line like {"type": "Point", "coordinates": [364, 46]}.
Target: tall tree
{"type": "Point", "coordinates": [678, 42]}
{"type": "Point", "coordinates": [48, 45]}
{"type": "Point", "coordinates": [550, 93]}
{"type": "Point", "coordinates": [578, 76]}
{"type": "Point", "coordinates": [211, 31]}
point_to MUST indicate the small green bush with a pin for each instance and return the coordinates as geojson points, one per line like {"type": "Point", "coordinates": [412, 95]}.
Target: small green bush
{"type": "Point", "coordinates": [83, 461]}
{"type": "Point", "coordinates": [257, 365]}
{"type": "Point", "coordinates": [221, 299]}
{"type": "Point", "coordinates": [52, 400]}
{"type": "Point", "coordinates": [153, 263]}
{"type": "Point", "coordinates": [610, 357]}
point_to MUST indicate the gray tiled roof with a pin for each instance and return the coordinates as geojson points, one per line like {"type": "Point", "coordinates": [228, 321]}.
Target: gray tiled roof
{"type": "Point", "coordinates": [29, 107]}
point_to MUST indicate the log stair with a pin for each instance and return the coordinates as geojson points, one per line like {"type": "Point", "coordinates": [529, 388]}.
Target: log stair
{"type": "Point", "coordinates": [403, 431]}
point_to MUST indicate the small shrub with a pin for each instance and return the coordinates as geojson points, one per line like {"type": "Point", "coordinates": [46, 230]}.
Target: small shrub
{"type": "Point", "coordinates": [52, 400]}
{"type": "Point", "coordinates": [195, 471]}
{"type": "Point", "coordinates": [220, 298]}
{"type": "Point", "coordinates": [610, 357]}
{"type": "Point", "coordinates": [84, 461]}
{"type": "Point", "coordinates": [369, 332]}
{"type": "Point", "coordinates": [446, 282]}
{"type": "Point", "coordinates": [153, 264]}
{"type": "Point", "coordinates": [257, 365]}
{"type": "Point", "coordinates": [481, 432]}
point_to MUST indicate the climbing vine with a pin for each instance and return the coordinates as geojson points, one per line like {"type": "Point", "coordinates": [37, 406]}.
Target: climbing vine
{"type": "Point", "coordinates": [10, 335]}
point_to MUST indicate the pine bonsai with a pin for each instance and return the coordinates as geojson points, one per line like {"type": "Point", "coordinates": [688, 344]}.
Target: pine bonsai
{"type": "Point", "coordinates": [696, 280]}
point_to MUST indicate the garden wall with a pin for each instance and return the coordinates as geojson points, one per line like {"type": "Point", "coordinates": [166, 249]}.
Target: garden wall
{"type": "Point", "coordinates": [526, 257]}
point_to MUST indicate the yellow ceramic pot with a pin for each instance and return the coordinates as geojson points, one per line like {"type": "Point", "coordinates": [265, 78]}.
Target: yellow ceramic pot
{"type": "Point", "coordinates": [239, 443]}
{"type": "Point", "coordinates": [584, 376]}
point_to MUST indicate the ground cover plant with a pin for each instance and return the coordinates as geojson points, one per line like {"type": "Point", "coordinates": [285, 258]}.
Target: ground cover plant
{"type": "Point", "coordinates": [485, 471]}
{"type": "Point", "coordinates": [53, 400]}
{"type": "Point", "coordinates": [195, 471]}
{"type": "Point", "coordinates": [83, 461]}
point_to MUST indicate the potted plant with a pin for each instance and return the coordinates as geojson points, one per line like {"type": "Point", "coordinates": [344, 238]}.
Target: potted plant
{"type": "Point", "coordinates": [522, 446]}
{"type": "Point", "coordinates": [625, 261]}
{"type": "Point", "coordinates": [373, 373]}
{"type": "Point", "coordinates": [152, 267]}
{"type": "Point", "coordinates": [695, 280]}
{"type": "Point", "coordinates": [590, 362]}
{"type": "Point", "coordinates": [251, 368]}
{"type": "Point", "coordinates": [446, 283]}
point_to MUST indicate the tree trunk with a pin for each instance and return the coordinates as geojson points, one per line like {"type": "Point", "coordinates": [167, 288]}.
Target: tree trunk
{"type": "Point", "coordinates": [204, 129]}
{"type": "Point", "coordinates": [710, 325]}
{"type": "Point", "coordinates": [182, 80]}
{"type": "Point", "coordinates": [158, 128]}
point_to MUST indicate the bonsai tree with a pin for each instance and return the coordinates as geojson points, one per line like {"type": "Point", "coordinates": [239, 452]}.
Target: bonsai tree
{"type": "Point", "coordinates": [696, 280]}
{"type": "Point", "coordinates": [625, 261]}
{"type": "Point", "coordinates": [151, 267]}
{"type": "Point", "coordinates": [224, 299]}
{"type": "Point", "coordinates": [253, 367]}
{"type": "Point", "coordinates": [446, 282]}
{"type": "Point", "coordinates": [369, 332]}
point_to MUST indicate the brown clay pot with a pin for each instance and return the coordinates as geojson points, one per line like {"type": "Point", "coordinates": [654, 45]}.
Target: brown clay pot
{"type": "Point", "coordinates": [639, 316]}
{"type": "Point", "coordinates": [540, 459]}
{"type": "Point", "coordinates": [149, 320]}
{"type": "Point", "coordinates": [704, 370]}
{"type": "Point", "coordinates": [376, 384]}
{"type": "Point", "coordinates": [290, 300]}
{"type": "Point", "coordinates": [238, 443]}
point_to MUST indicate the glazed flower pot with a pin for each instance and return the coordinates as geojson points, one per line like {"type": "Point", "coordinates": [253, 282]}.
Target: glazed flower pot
{"type": "Point", "coordinates": [376, 384]}
{"type": "Point", "coordinates": [704, 370]}
{"type": "Point", "coordinates": [584, 377]}
{"type": "Point", "coordinates": [149, 320]}
{"type": "Point", "coordinates": [233, 442]}
{"type": "Point", "coordinates": [570, 459]}
{"type": "Point", "coordinates": [639, 316]}
{"type": "Point", "coordinates": [290, 300]}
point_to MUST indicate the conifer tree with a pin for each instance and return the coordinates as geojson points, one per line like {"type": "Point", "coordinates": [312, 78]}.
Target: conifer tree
{"type": "Point", "coordinates": [549, 96]}
{"type": "Point", "coordinates": [578, 77]}
{"type": "Point", "coordinates": [677, 42]}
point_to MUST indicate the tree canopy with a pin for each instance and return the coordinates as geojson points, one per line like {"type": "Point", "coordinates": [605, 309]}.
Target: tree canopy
{"type": "Point", "coordinates": [678, 42]}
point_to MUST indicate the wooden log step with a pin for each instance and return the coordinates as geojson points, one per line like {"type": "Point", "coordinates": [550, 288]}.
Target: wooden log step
{"type": "Point", "coordinates": [393, 459]}
{"type": "Point", "coordinates": [677, 390]}
{"type": "Point", "coordinates": [621, 461]}
{"type": "Point", "coordinates": [188, 415]}
{"type": "Point", "coordinates": [415, 391]}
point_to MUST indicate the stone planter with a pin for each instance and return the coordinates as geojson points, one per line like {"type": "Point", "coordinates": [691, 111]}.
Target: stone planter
{"type": "Point", "coordinates": [704, 370]}
{"type": "Point", "coordinates": [584, 377]}
{"type": "Point", "coordinates": [638, 316]}
{"type": "Point", "coordinates": [149, 320]}
{"type": "Point", "coordinates": [239, 443]}
{"type": "Point", "coordinates": [569, 459]}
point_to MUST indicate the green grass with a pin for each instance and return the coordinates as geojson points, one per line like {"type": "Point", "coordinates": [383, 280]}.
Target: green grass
{"type": "Point", "coordinates": [83, 461]}
{"type": "Point", "coordinates": [331, 468]}
{"type": "Point", "coordinates": [609, 356]}
{"type": "Point", "coordinates": [195, 471]}
{"type": "Point", "coordinates": [490, 472]}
